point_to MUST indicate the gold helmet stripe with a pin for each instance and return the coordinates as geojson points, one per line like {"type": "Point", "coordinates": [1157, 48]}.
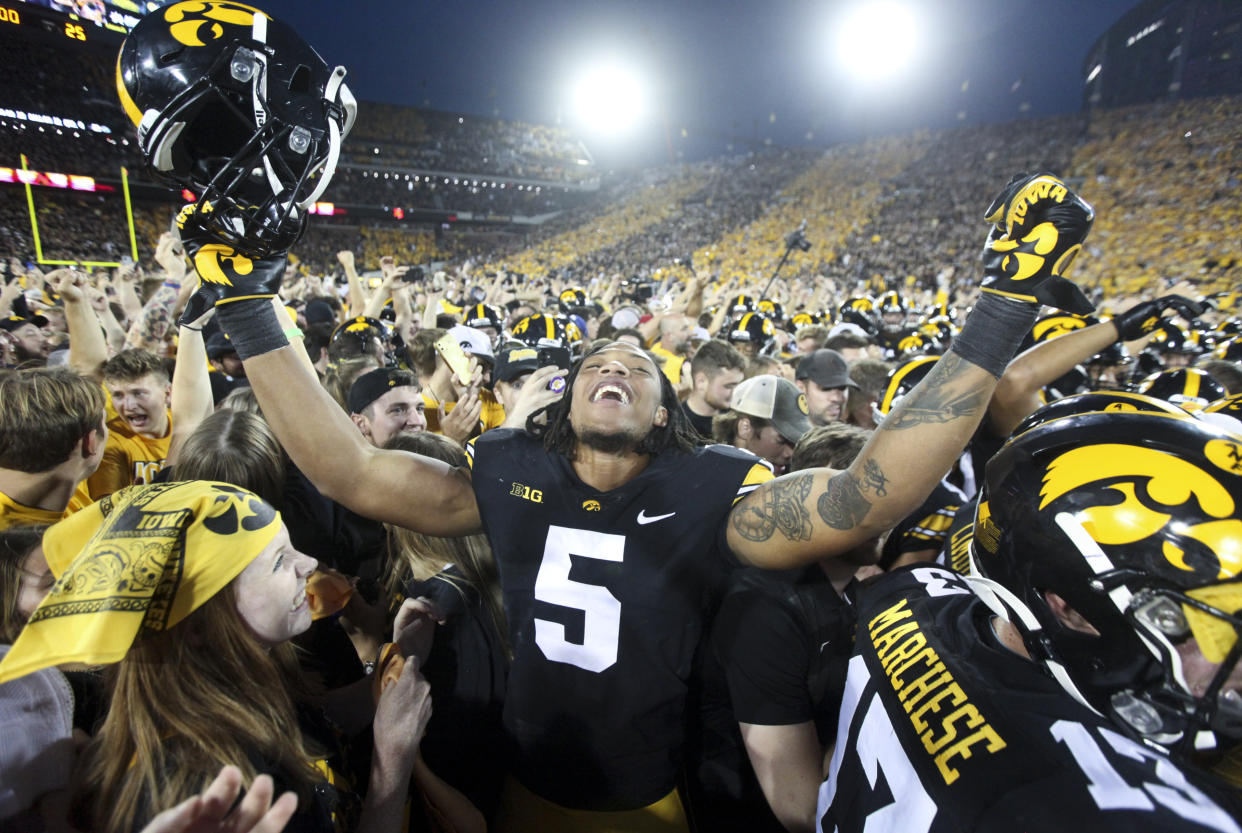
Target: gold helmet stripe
{"type": "Point", "coordinates": [127, 103]}
{"type": "Point", "coordinates": [902, 372]}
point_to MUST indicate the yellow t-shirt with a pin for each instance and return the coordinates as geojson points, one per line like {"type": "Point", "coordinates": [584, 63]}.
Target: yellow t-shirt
{"type": "Point", "coordinates": [492, 415]}
{"type": "Point", "coordinates": [129, 458]}
{"type": "Point", "coordinates": [14, 514]}
{"type": "Point", "coordinates": [670, 363]}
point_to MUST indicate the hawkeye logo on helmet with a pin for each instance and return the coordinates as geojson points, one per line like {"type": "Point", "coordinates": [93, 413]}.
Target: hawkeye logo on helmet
{"type": "Point", "coordinates": [1152, 485]}
{"type": "Point", "coordinates": [195, 20]}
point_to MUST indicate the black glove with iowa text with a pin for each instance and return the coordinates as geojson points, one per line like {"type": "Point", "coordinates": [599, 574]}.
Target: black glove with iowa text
{"type": "Point", "coordinates": [1038, 226]}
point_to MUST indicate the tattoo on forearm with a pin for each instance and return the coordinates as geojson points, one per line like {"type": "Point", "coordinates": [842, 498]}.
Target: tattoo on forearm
{"type": "Point", "coordinates": [842, 505]}
{"type": "Point", "coordinates": [936, 400]}
{"type": "Point", "coordinates": [779, 506]}
{"type": "Point", "coordinates": [874, 479]}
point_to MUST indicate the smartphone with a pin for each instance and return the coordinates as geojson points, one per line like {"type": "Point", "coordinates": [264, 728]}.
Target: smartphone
{"type": "Point", "coordinates": [556, 356]}
{"type": "Point", "coordinates": [454, 357]}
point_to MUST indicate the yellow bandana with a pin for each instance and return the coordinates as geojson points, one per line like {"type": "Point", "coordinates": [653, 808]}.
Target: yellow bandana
{"type": "Point", "coordinates": [142, 558]}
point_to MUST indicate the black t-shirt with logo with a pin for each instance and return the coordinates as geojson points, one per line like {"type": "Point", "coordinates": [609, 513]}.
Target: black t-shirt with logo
{"type": "Point", "coordinates": [606, 594]}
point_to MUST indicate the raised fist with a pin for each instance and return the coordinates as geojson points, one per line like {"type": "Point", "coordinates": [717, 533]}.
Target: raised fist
{"type": "Point", "coordinates": [1038, 226]}
{"type": "Point", "coordinates": [225, 274]}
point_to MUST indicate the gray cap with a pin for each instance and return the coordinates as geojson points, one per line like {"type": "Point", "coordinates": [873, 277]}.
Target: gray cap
{"type": "Point", "coordinates": [776, 399]}
{"type": "Point", "coordinates": [826, 368]}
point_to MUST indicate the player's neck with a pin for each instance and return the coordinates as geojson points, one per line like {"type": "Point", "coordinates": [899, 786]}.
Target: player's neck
{"type": "Point", "coordinates": [606, 471]}
{"type": "Point", "coordinates": [1009, 636]}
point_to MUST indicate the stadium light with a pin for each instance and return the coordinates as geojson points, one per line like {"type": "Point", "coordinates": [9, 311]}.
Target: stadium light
{"type": "Point", "coordinates": [609, 99]}
{"type": "Point", "coordinates": [878, 40]}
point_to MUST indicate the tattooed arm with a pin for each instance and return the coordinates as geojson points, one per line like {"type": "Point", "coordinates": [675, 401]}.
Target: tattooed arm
{"type": "Point", "coordinates": [817, 513]}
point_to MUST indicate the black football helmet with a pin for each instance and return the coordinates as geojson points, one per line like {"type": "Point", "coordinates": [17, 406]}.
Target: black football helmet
{"type": "Point", "coordinates": [1187, 387]}
{"type": "Point", "coordinates": [484, 315]}
{"type": "Point", "coordinates": [739, 305]}
{"type": "Point", "coordinates": [752, 328]}
{"type": "Point", "coordinates": [1112, 401]}
{"type": "Point", "coordinates": [1230, 351]}
{"type": "Point", "coordinates": [541, 330]}
{"type": "Point", "coordinates": [1135, 521]}
{"type": "Point", "coordinates": [232, 105]}
{"type": "Point", "coordinates": [901, 380]}
{"type": "Point", "coordinates": [773, 311]}
{"type": "Point", "coordinates": [859, 311]}
{"type": "Point", "coordinates": [572, 298]}
{"type": "Point", "coordinates": [892, 311]}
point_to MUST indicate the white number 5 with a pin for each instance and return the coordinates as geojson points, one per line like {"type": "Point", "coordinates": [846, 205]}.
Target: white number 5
{"type": "Point", "coordinates": [601, 610]}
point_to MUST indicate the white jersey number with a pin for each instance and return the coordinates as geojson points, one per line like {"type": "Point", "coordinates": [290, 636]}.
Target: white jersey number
{"type": "Point", "coordinates": [601, 610]}
{"type": "Point", "coordinates": [1112, 792]}
{"type": "Point", "coordinates": [878, 751]}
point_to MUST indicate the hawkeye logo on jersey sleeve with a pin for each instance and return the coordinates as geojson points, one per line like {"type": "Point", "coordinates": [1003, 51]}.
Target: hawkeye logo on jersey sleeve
{"type": "Point", "coordinates": [526, 492]}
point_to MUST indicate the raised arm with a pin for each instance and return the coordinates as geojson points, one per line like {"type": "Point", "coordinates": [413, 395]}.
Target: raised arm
{"type": "Point", "coordinates": [1017, 395]}
{"type": "Point", "coordinates": [818, 513]}
{"type": "Point", "coordinates": [396, 487]}
{"type": "Point", "coordinates": [88, 350]}
{"type": "Point", "coordinates": [191, 388]}
{"type": "Point", "coordinates": [357, 295]}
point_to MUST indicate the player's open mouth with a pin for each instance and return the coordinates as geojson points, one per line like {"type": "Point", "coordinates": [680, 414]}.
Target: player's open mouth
{"type": "Point", "coordinates": [611, 391]}
{"type": "Point", "coordinates": [136, 419]}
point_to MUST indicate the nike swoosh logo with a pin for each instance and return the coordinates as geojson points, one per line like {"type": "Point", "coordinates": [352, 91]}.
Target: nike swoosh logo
{"type": "Point", "coordinates": [643, 518]}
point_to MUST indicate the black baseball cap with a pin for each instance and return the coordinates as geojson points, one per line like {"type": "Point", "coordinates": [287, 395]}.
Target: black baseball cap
{"type": "Point", "coordinates": [512, 362]}
{"type": "Point", "coordinates": [12, 322]}
{"type": "Point", "coordinates": [372, 385]}
{"type": "Point", "coordinates": [826, 368]}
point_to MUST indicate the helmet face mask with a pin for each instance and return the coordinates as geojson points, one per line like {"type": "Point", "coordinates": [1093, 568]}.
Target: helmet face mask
{"type": "Point", "coordinates": [233, 105]}
{"type": "Point", "coordinates": [1135, 521]}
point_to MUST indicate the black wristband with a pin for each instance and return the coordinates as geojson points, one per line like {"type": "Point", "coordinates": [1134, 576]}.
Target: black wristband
{"type": "Point", "coordinates": [252, 327]}
{"type": "Point", "coordinates": [994, 331]}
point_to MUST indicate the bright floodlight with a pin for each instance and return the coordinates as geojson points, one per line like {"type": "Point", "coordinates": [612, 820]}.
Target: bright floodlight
{"type": "Point", "coordinates": [877, 40]}
{"type": "Point", "coordinates": [609, 99]}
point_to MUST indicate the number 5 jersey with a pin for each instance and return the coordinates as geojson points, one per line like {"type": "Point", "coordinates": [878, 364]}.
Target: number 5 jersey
{"type": "Point", "coordinates": [607, 595]}
{"type": "Point", "coordinates": [943, 729]}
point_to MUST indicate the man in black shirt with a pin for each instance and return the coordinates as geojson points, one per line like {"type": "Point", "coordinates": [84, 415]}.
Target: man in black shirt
{"type": "Point", "coordinates": [716, 370]}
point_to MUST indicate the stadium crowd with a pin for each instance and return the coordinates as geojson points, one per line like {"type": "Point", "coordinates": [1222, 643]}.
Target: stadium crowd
{"type": "Point", "coordinates": [609, 531]}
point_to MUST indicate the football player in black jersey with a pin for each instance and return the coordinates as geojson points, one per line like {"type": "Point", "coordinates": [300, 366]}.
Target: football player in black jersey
{"type": "Point", "coordinates": [611, 530]}
{"type": "Point", "coordinates": [1078, 680]}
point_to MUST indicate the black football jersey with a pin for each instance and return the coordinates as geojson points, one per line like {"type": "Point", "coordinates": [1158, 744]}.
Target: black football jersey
{"type": "Point", "coordinates": [606, 594]}
{"type": "Point", "coordinates": [943, 729]}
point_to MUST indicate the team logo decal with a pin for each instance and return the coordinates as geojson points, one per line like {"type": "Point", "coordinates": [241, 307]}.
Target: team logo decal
{"type": "Point", "coordinates": [1225, 455]}
{"type": "Point", "coordinates": [1137, 491]}
{"type": "Point", "coordinates": [221, 264]}
{"type": "Point", "coordinates": [1056, 327]}
{"type": "Point", "coordinates": [196, 22]}
{"type": "Point", "coordinates": [591, 505]}
{"type": "Point", "coordinates": [802, 404]}
{"type": "Point", "coordinates": [1026, 256]}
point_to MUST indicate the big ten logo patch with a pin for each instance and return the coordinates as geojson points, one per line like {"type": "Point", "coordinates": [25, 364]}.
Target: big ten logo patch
{"type": "Point", "coordinates": [526, 492]}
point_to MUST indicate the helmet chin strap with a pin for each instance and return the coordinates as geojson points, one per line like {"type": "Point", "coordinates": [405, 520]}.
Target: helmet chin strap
{"type": "Point", "coordinates": [1003, 603]}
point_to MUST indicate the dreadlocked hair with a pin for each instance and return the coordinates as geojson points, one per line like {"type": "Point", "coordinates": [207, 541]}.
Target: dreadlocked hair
{"type": "Point", "coordinates": [677, 435]}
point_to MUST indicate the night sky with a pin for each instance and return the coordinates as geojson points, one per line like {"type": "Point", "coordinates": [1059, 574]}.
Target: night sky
{"type": "Point", "coordinates": [725, 72]}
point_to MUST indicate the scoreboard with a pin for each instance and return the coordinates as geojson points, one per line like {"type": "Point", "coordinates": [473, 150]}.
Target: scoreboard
{"type": "Point", "coordinates": [77, 21]}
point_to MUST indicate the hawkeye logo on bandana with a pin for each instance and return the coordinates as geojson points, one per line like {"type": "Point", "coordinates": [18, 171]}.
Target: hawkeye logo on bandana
{"type": "Point", "coordinates": [1139, 490]}
{"type": "Point", "coordinates": [197, 22]}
